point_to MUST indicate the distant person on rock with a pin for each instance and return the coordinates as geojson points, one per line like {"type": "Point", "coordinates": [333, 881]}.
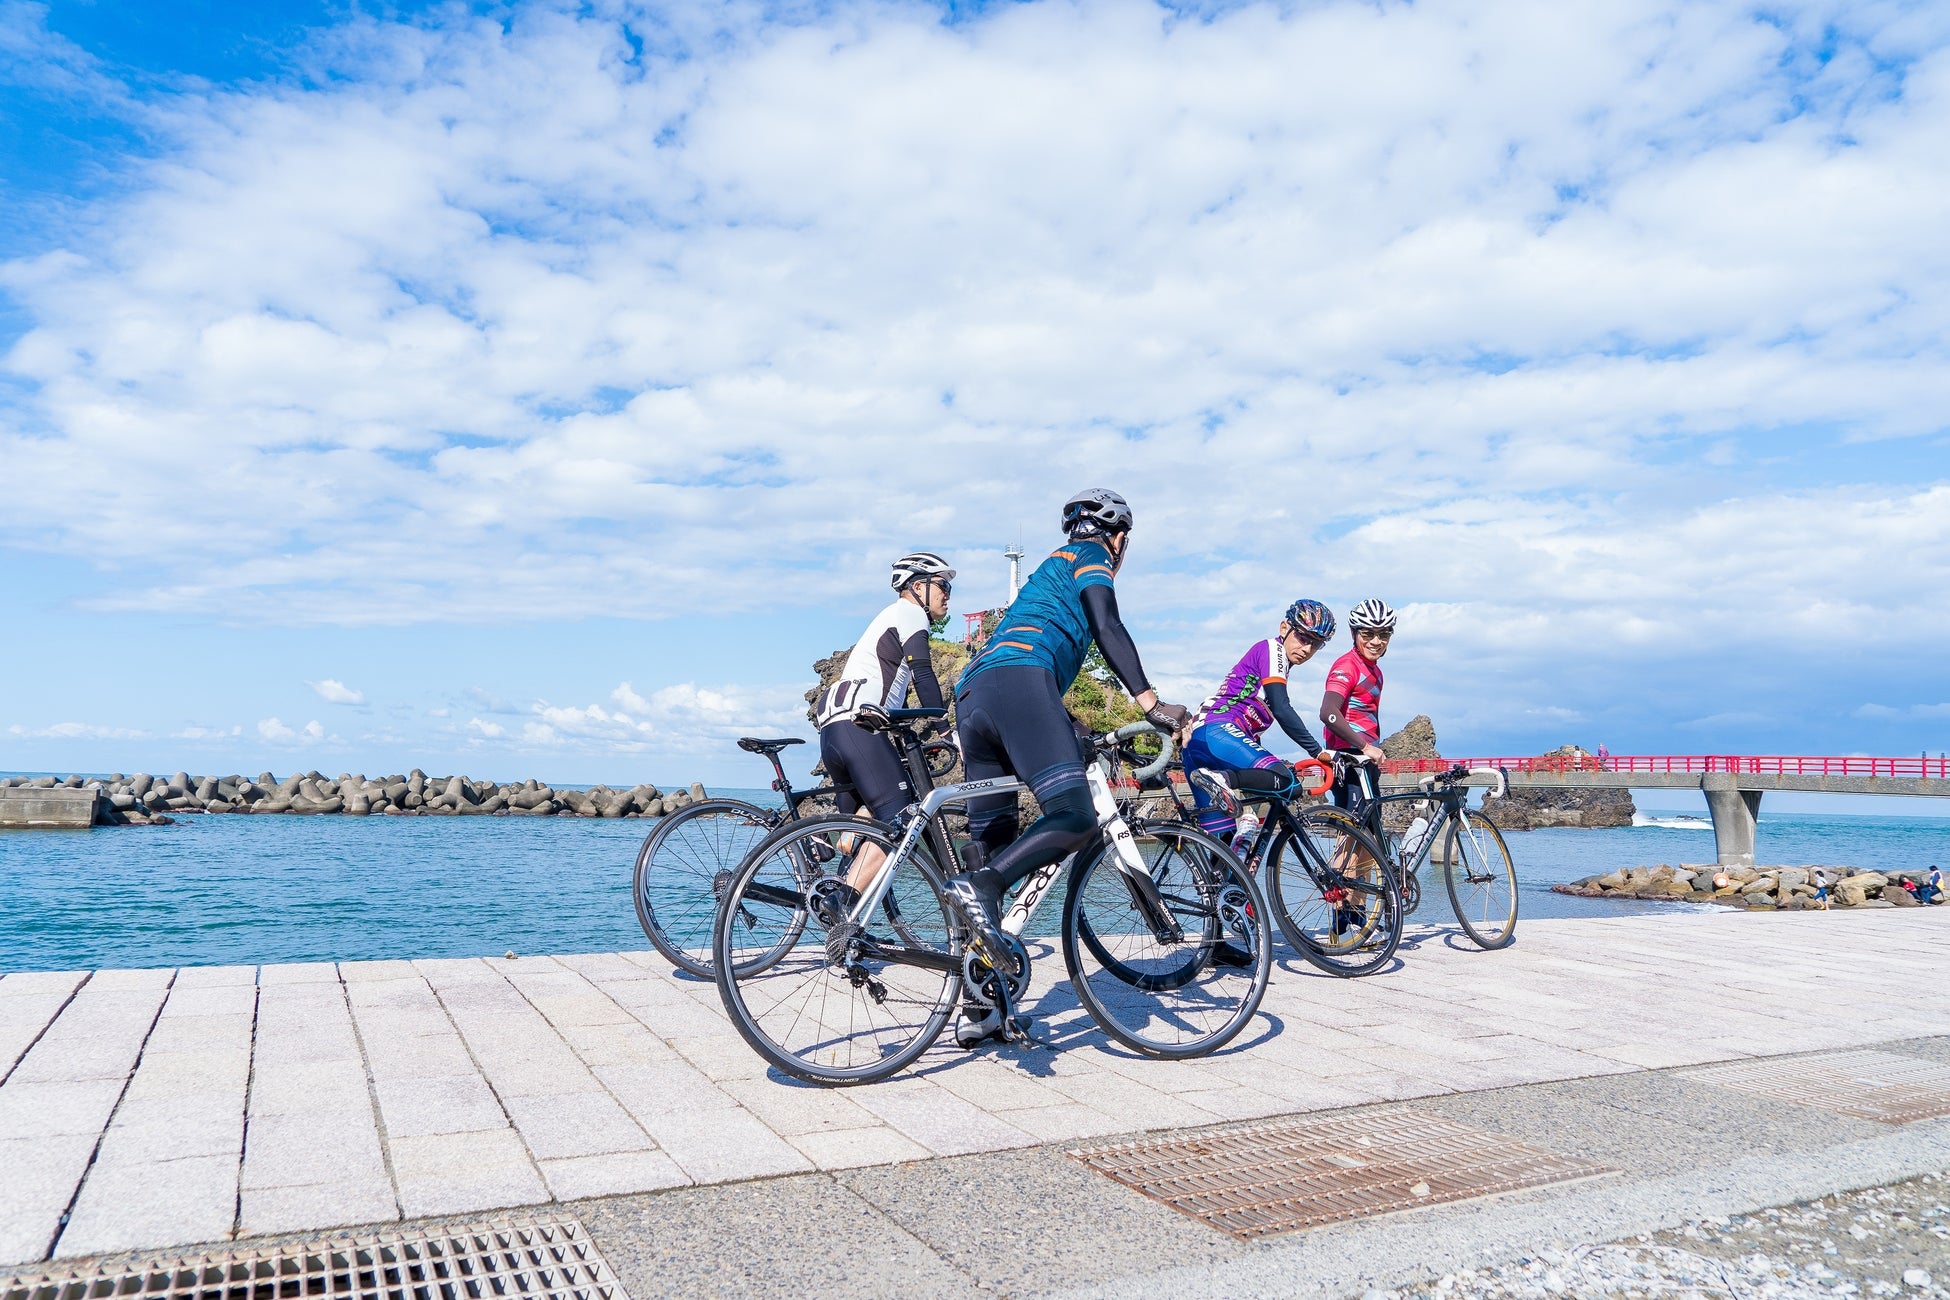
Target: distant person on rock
{"type": "Point", "coordinates": [1227, 727]}
{"type": "Point", "coordinates": [1932, 890]}
{"type": "Point", "coordinates": [890, 658]}
{"type": "Point", "coordinates": [1821, 888]}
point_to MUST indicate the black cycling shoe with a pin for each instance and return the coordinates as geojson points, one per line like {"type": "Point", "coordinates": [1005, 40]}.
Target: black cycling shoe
{"type": "Point", "coordinates": [1348, 918]}
{"type": "Point", "coordinates": [832, 900]}
{"type": "Point", "coordinates": [980, 902]}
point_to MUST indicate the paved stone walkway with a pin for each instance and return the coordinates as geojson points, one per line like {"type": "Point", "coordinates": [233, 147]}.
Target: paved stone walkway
{"type": "Point", "coordinates": [152, 1108]}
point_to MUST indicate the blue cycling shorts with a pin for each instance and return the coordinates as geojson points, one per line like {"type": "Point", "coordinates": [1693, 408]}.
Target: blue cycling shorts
{"type": "Point", "coordinates": [1221, 747]}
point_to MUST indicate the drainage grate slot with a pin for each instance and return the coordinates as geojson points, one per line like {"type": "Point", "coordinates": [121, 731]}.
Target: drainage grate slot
{"type": "Point", "coordinates": [1881, 1086]}
{"type": "Point", "coordinates": [1254, 1182]}
{"type": "Point", "coordinates": [547, 1260]}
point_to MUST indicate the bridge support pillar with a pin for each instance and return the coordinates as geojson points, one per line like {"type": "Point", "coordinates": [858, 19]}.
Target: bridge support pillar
{"type": "Point", "coordinates": [1735, 813]}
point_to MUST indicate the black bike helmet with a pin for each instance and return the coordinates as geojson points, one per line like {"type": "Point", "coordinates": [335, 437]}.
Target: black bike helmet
{"type": "Point", "coordinates": [1098, 510]}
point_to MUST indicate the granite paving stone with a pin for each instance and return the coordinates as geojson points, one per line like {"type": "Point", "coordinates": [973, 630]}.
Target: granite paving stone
{"type": "Point", "coordinates": [615, 1174]}
{"type": "Point", "coordinates": [28, 1004]}
{"type": "Point", "coordinates": [128, 1204]}
{"type": "Point", "coordinates": [452, 1173]}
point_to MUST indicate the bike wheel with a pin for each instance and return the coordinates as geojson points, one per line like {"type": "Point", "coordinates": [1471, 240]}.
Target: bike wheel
{"type": "Point", "coordinates": [887, 990]}
{"type": "Point", "coordinates": [1482, 880]}
{"type": "Point", "coordinates": [684, 863]}
{"type": "Point", "coordinates": [1343, 914]}
{"type": "Point", "coordinates": [1180, 994]}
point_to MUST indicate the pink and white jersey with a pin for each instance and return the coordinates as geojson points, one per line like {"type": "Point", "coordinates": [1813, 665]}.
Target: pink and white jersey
{"type": "Point", "coordinates": [1238, 700]}
{"type": "Point", "coordinates": [1360, 681]}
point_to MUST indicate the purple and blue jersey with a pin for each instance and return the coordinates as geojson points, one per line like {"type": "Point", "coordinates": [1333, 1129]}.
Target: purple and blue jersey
{"type": "Point", "coordinates": [1240, 700]}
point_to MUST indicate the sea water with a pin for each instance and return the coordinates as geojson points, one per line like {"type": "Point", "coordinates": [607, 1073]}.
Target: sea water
{"type": "Point", "coordinates": [212, 890]}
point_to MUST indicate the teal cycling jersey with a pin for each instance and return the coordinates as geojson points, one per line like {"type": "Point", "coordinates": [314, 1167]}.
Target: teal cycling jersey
{"type": "Point", "coordinates": [1046, 627]}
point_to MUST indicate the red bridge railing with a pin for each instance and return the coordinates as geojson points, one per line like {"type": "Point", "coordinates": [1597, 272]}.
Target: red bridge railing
{"type": "Point", "coordinates": [1696, 764]}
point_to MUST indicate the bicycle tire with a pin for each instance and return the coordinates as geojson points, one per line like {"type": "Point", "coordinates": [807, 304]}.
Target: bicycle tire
{"type": "Point", "coordinates": [1171, 999]}
{"type": "Point", "coordinates": [1345, 925]}
{"type": "Point", "coordinates": [1486, 917]}
{"type": "Point", "coordinates": [674, 881]}
{"type": "Point", "coordinates": [809, 1018]}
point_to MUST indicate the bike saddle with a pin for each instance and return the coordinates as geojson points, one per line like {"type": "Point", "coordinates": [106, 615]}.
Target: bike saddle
{"type": "Point", "coordinates": [753, 745]}
{"type": "Point", "coordinates": [915, 715]}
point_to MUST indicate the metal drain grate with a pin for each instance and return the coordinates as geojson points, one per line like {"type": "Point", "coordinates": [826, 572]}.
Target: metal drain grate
{"type": "Point", "coordinates": [1880, 1086]}
{"type": "Point", "coordinates": [1276, 1178]}
{"type": "Point", "coordinates": [547, 1260]}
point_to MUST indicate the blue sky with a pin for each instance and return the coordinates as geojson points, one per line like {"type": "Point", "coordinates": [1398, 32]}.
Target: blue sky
{"type": "Point", "coordinates": [539, 388]}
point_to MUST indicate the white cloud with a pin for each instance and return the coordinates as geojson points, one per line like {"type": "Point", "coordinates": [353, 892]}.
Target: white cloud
{"type": "Point", "coordinates": [274, 730]}
{"type": "Point", "coordinates": [76, 731]}
{"type": "Point", "coordinates": [1884, 713]}
{"type": "Point", "coordinates": [209, 733]}
{"type": "Point", "coordinates": [337, 692]}
{"type": "Point", "coordinates": [682, 720]}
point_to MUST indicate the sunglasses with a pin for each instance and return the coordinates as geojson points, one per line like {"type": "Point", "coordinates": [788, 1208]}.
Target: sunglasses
{"type": "Point", "coordinates": [1375, 633]}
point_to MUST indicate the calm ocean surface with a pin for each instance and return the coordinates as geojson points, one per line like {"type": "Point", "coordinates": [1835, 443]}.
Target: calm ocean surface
{"type": "Point", "coordinates": [215, 890]}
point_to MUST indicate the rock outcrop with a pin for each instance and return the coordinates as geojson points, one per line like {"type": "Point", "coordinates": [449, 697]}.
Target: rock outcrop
{"type": "Point", "coordinates": [1532, 808]}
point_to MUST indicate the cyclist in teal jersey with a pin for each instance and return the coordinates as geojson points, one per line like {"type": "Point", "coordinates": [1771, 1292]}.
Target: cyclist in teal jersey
{"type": "Point", "coordinates": [1010, 715]}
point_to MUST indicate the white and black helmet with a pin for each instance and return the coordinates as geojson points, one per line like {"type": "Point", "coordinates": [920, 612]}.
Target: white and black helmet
{"type": "Point", "coordinates": [920, 564]}
{"type": "Point", "coordinates": [1098, 510]}
{"type": "Point", "coordinates": [1372, 613]}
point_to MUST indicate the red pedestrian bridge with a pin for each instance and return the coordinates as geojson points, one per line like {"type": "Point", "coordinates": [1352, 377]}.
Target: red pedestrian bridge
{"type": "Point", "coordinates": [1732, 783]}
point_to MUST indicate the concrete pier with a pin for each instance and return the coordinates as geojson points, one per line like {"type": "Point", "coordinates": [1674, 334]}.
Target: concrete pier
{"type": "Point", "coordinates": [30, 808]}
{"type": "Point", "coordinates": [1736, 814]}
{"type": "Point", "coordinates": [150, 1109]}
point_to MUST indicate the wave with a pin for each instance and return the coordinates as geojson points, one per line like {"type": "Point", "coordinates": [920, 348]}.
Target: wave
{"type": "Point", "coordinates": [1679, 823]}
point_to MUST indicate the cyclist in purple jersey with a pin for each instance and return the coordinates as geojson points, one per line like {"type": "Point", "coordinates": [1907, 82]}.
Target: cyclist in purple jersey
{"type": "Point", "coordinates": [1227, 730]}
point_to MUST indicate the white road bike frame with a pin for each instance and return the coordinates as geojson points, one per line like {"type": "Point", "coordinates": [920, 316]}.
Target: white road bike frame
{"type": "Point", "coordinates": [1110, 822]}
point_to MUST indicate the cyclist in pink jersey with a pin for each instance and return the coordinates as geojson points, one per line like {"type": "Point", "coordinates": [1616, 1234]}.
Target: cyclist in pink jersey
{"type": "Point", "coordinates": [1350, 719]}
{"type": "Point", "coordinates": [1350, 707]}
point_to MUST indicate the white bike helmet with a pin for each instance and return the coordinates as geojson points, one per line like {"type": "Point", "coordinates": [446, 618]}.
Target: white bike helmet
{"type": "Point", "coordinates": [1096, 511]}
{"type": "Point", "coordinates": [920, 564]}
{"type": "Point", "coordinates": [1372, 613]}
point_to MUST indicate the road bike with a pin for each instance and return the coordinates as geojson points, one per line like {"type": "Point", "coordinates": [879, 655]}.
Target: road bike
{"type": "Point", "coordinates": [1164, 935]}
{"type": "Point", "coordinates": [1335, 891]}
{"type": "Point", "coordinates": [1476, 865]}
{"type": "Point", "coordinates": [686, 860]}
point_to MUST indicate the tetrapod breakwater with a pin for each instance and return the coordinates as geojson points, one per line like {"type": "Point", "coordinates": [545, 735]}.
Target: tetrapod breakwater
{"type": "Point", "coordinates": [145, 800]}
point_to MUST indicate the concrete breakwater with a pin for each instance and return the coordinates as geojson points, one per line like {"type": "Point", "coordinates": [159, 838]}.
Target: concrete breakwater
{"type": "Point", "coordinates": [142, 799]}
{"type": "Point", "coordinates": [1754, 888]}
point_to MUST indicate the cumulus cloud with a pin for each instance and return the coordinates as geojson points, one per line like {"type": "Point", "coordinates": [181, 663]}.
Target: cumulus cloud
{"type": "Point", "coordinates": [682, 720]}
{"type": "Point", "coordinates": [337, 692]}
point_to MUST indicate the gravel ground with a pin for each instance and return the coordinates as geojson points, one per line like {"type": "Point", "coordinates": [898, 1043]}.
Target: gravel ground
{"type": "Point", "coordinates": [1880, 1241]}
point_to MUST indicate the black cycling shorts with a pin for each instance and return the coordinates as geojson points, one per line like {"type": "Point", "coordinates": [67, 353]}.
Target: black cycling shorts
{"type": "Point", "coordinates": [1012, 723]}
{"type": "Point", "coordinates": [870, 764]}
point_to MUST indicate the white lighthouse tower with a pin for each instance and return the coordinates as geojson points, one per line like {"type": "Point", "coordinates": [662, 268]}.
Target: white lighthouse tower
{"type": "Point", "coordinates": [1014, 556]}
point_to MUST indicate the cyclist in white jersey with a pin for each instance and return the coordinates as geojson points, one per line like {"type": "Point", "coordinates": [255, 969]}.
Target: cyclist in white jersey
{"type": "Point", "coordinates": [890, 659]}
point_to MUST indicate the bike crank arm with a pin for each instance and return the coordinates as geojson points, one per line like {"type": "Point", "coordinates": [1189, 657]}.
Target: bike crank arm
{"type": "Point", "coordinates": [760, 892]}
{"type": "Point", "coordinates": [900, 955]}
